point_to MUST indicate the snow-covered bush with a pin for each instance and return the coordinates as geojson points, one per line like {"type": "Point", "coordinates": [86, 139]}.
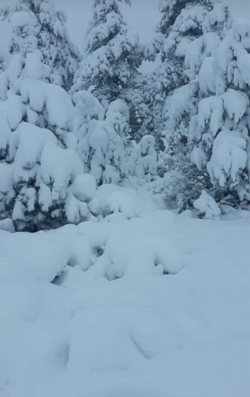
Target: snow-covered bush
{"type": "Point", "coordinates": [115, 204]}
{"type": "Point", "coordinates": [7, 225]}
{"type": "Point", "coordinates": [112, 56]}
{"type": "Point", "coordinates": [81, 194]}
{"type": "Point", "coordinates": [206, 206]}
{"type": "Point", "coordinates": [182, 182]}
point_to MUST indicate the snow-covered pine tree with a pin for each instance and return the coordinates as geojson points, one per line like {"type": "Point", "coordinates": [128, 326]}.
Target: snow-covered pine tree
{"type": "Point", "coordinates": [179, 42]}
{"type": "Point", "coordinates": [37, 23]}
{"type": "Point", "coordinates": [39, 163]}
{"type": "Point", "coordinates": [118, 116]}
{"type": "Point", "coordinates": [142, 164]}
{"type": "Point", "coordinates": [139, 97]}
{"type": "Point", "coordinates": [220, 130]}
{"type": "Point", "coordinates": [4, 55]}
{"type": "Point", "coordinates": [99, 134]}
{"type": "Point", "coordinates": [112, 55]}
{"type": "Point", "coordinates": [145, 101]}
{"type": "Point", "coordinates": [181, 23]}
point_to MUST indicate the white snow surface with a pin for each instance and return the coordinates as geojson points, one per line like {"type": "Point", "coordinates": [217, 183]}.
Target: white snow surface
{"type": "Point", "coordinates": [146, 304]}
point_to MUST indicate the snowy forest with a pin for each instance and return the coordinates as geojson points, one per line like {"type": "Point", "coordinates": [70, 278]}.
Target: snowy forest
{"type": "Point", "coordinates": [179, 132]}
{"type": "Point", "coordinates": [111, 178]}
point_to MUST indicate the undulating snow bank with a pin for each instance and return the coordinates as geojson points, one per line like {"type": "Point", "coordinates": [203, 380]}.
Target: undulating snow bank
{"type": "Point", "coordinates": [149, 305]}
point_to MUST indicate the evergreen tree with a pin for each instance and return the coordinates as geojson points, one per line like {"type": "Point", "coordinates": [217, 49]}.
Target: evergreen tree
{"type": "Point", "coordinates": [220, 129]}
{"type": "Point", "coordinates": [36, 24]}
{"type": "Point", "coordinates": [37, 150]}
{"type": "Point", "coordinates": [139, 100]}
{"type": "Point", "coordinates": [112, 56]}
{"type": "Point", "coordinates": [210, 114]}
{"type": "Point", "coordinates": [146, 106]}
{"type": "Point", "coordinates": [118, 116]}
{"type": "Point", "coordinates": [142, 164]}
{"type": "Point", "coordinates": [180, 24]}
{"type": "Point", "coordinates": [100, 143]}
{"type": "Point", "coordinates": [192, 36]}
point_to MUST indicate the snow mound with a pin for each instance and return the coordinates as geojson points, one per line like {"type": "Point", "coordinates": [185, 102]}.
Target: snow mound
{"type": "Point", "coordinates": [7, 225]}
{"type": "Point", "coordinates": [206, 205]}
{"type": "Point", "coordinates": [111, 199]}
{"type": "Point", "coordinates": [173, 321]}
{"type": "Point", "coordinates": [109, 349]}
{"type": "Point", "coordinates": [43, 256]}
{"type": "Point", "coordinates": [122, 203]}
{"type": "Point", "coordinates": [84, 188]}
{"type": "Point", "coordinates": [21, 19]}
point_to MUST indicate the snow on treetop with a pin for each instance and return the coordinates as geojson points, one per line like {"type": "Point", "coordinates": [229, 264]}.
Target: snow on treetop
{"type": "Point", "coordinates": [188, 21]}
{"type": "Point", "coordinates": [112, 25]}
{"type": "Point", "coordinates": [57, 102]}
{"type": "Point", "coordinates": [241, 31]}
{"type": "Point", "coordinates": [198, 57]}
{"type": "Point", "coordinates": [112, 55]}
{"type": "Point", "coordinates": [216, 18]}
{"type": "Point", "coordinates": [22, 18]}
{"type": "Point", "coordinates": [236, 104]}
{"type": "Point", "coordinates": [108, 3]}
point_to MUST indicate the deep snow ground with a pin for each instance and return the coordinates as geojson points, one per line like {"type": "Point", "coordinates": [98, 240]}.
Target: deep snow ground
{"type": "Point", "coordinates": [156, 305]}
